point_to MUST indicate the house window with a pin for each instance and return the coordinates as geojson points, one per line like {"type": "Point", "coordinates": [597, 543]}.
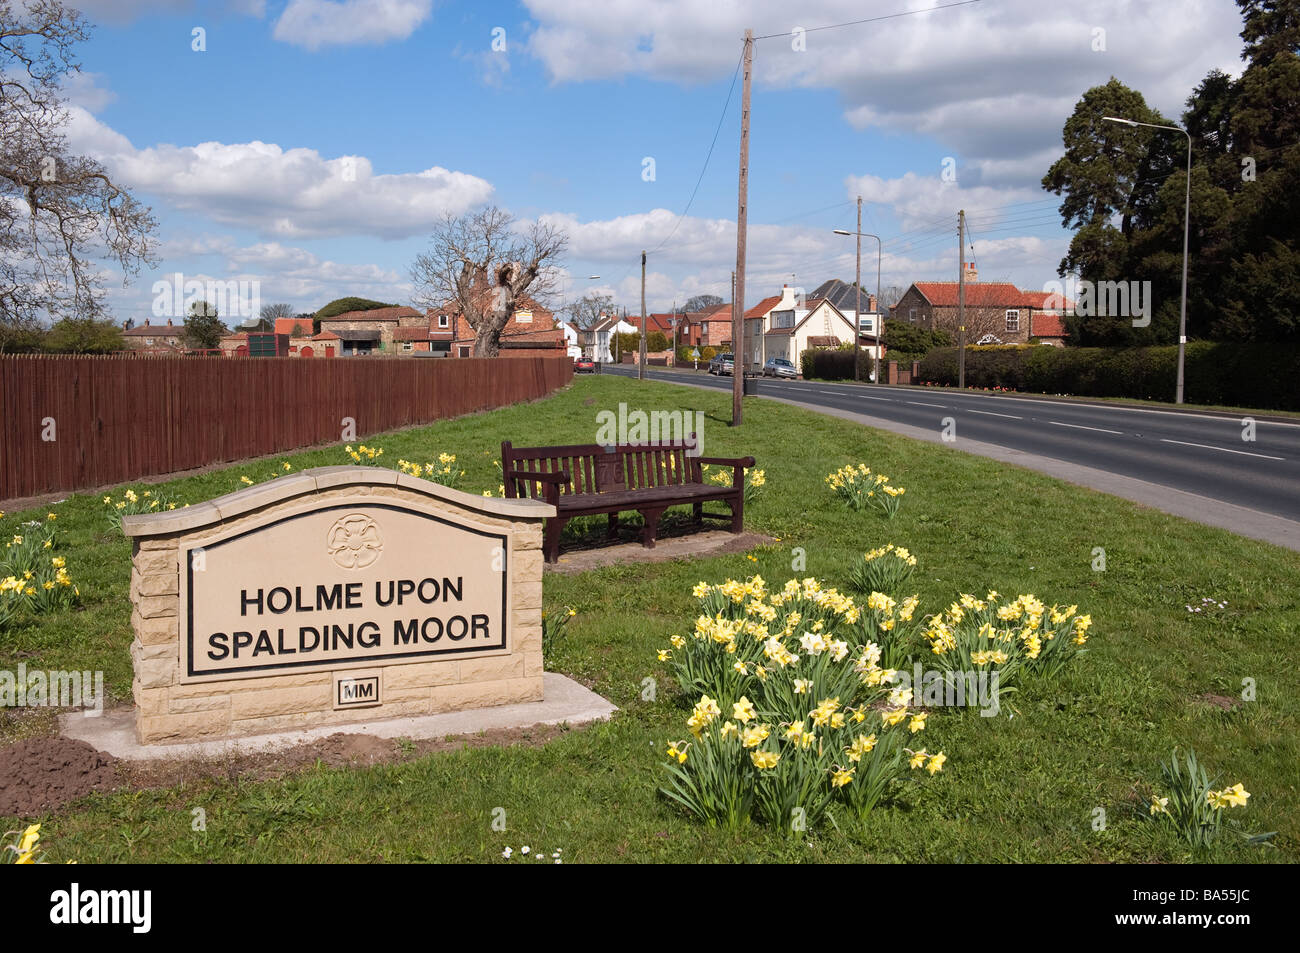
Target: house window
{"type": "Point", "coordinates": [1013, 320]}
{"type": "Point", "coordinates": [464, 350]}
{"type": "Point", "coordinates": [408, 346]}
{"type": "Point", "coordinates": [911, 315]}
{"type": "Point", "coordinates": [442, 321]}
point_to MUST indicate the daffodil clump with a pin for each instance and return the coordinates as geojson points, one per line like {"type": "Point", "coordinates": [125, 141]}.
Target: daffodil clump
{"type": "Point", "coordinates": [860, 489]}
{"type": "Point", "coordinates": [1023, 636]}
{"type": "Point", "coordinates": [885, 569]}
{"type": "Point", "coordinates": [553, 624]}
{"type": "Point", "coordinates": [755, 480]}
{"type": "Point", "coordinates": [366, 456]}
{"type": "Point", "coordinates": [34, 579]}
{"type": "Point", "coordinates": [444, 471]}
{"type": "Point", "coordinates": [131, 503]}
{"type": "Point", "coordinates": [1193, 807]}
{"type": "Point", "coordinates": [23, 847]}
{"type": "Point", "coordinates": [799, 712]}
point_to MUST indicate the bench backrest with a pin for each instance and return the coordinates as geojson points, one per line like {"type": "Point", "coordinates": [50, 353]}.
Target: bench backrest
{"type": "Point", "coordinates": [594, 468]}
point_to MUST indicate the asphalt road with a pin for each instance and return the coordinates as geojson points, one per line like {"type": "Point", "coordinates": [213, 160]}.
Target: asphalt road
{"type": "Point", "coordinates": [1201, 453]}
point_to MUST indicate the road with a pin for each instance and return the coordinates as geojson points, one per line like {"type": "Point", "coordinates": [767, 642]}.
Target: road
{"type": "Point", "coordinates": [1200, 453]}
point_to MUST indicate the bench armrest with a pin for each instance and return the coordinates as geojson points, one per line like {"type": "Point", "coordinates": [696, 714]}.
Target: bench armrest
{"type": "Point", "coordinates": [726, 461]}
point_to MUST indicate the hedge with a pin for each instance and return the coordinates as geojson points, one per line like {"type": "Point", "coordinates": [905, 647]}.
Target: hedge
{"type": "Point", "coordinates": [1232, 374]}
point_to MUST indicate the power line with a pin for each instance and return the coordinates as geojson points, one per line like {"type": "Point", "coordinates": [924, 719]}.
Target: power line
{"type": "Point", "coordinates": [888, 16]}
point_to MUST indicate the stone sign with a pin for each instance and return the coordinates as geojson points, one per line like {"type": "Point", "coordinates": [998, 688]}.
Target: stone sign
{"type": "Point", "coordinates": [333, 595]}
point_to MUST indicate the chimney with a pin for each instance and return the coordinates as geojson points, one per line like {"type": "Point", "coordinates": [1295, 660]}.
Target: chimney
{"type": "Point", "coordinates": [169, 322]}
{"type": "Point", "coordinates": [871, 303]}
{"type": "Point", "coordinates": [971, 273]}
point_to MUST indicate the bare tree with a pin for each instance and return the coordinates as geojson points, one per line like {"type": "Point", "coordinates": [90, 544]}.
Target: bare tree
{"type": "Point", "coordinates": [701, 303]}
{"type": "Point", "coordinates": [56, 210]}
{"type": "Point", "coordinates": [482, 265]}
{"type": "Point", "coordinates": [271, 312]}
{"type": "Point", "coordinates": [588, 310]}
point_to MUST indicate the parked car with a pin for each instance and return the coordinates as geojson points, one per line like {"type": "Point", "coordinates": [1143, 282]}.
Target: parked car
{"type": "Point", "coordinates": [584, 365]}
{"type": "Point", "coordinates": [722, 364]}
{"type": "Point", "coordinates": [779, 367]}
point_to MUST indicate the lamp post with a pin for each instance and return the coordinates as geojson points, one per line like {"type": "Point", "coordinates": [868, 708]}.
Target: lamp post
{"type": "Point", "coordinates": [857, 318]}
{"type": "Point", "coordinates": [1187, 222]}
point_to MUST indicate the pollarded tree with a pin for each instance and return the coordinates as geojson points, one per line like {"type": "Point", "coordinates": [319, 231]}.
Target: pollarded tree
{"type": "Point", "coordinates": [483, 266]}
{"type": "Point", "coordinates": [588, 310]}
{"type": "Point", "coordinates": [57, 210]}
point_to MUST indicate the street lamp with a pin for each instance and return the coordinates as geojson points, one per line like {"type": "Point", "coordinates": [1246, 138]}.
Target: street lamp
{"type": "Point", "coordinates": [1187, 221]}
{"type": "Point", "coordinates": [857, 318]}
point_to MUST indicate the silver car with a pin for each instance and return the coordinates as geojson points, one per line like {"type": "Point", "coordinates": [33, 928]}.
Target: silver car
{"type": "Point", "coordinates": [722, 364]}
{"type": "Point", "coordinates": [779, 367]}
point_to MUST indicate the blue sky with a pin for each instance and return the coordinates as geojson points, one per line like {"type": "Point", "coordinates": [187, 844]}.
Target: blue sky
{"type": "Point", "coordinates": [244, 150]}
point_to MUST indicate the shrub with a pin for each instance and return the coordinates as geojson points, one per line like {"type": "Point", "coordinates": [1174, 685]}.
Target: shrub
{"type": "Point", "coordinates": [831, 365]}
{"type": "Point", "coordinates": [794, 710]}
{"type": "Point", "coordinates": [1245, 374]}
{"type": "Point", "coordinates": [708, 353]}
{"type": "Point", "coordinates": [882, 570]}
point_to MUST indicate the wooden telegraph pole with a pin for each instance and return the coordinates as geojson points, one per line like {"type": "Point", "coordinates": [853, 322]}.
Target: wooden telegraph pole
{"type": "Point", "coordinates": [742, 216]}
{"type": "Point", "coordinates": [640, 370]}
{"type": "Point", "coordinates": [961, 298]}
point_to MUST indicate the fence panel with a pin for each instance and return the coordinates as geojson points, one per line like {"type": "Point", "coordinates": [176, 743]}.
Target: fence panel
{"type": "Point", "coordinates": [73, 422]}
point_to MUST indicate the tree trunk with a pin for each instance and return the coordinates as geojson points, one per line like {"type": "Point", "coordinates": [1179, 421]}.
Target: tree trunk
{"type": "Point", "coordinates": [487, 342]}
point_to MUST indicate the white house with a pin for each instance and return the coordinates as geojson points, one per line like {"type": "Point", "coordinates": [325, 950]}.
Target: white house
{"type": "Point", "coordinates": [603, 348]}
{"type": "Point", "coordinates": [572, 339]}
{"type": "Point", "coordinates": [819, 324]}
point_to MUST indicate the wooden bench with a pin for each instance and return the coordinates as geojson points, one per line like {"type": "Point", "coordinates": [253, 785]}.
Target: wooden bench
{"type": "Point", "coordinates": [590, 479]}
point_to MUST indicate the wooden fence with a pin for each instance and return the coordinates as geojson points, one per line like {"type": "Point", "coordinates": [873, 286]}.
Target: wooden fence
{"type": "Point", "coordinates": [72, 422]}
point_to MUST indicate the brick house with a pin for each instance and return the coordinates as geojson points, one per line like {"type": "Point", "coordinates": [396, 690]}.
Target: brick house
{"type": "Point", "coordinates": [1047, 316]}
{"type": "Point", "coordinates": [154, 337]}
{"type": "Point", "coordinates": [996, 311]}
{"type": "Point", "coordinates": [369, 332]}
{"type": "Point", "coordinates": [532, 331]}
{"type": "Point", "coordinates": [714, 326]}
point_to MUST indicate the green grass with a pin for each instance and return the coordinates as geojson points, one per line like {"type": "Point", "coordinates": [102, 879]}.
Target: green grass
{"type": "Point", "coordinates": [1018, 789]}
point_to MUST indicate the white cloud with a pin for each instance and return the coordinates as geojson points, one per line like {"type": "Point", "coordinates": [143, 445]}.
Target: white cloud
{"type": "Point", "coordinates": [282, 193]}
{"type": "Point", "coordinates": [316, 23]}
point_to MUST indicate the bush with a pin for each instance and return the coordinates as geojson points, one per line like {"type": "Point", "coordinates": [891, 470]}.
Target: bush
{"type": "Point", "coordinates": [1227, 373]}
{"type": "Point", "coordinates": [708, 353]}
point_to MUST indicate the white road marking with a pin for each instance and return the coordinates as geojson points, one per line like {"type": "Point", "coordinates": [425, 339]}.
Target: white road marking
{"type": "Point", "coordinates": [920, 404]}
{"type": "Point", "coordinates": [989, 413]}
{"type": "Point", "coordinates": [1057, 423]}
{"type": "Point", "coordinates": [888, 400]}
{"type": "Point", "coordinates": [1206, 446]}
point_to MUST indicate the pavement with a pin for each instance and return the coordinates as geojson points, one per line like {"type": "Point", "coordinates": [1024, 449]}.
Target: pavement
{"type": "Point", "coordinates": [1188, 463]}
{"type": "Point", "coordinates": [566, 702]}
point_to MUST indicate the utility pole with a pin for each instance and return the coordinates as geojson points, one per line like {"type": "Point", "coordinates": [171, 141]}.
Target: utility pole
{"type": "Point", "coordinates": [857, 285]}
{"type": "Point", "coordinates": [640, 369]}
{"type": "Point", "coordinates": [742, 218]}
{"type": "Point", "coordinates": [674, 320]}
{"type": "Point", "coordinates": [961, 298]}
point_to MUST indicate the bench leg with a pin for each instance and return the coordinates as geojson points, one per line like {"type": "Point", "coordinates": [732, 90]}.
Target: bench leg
{"type": "Point", "coordinates": [651, 531]}
{"type": "Point", "coordinates": [612, 531]}
{"type": "Point", "coordinates": [551, 538]}
{"type": "Point", "coordinates": [737, 514]}
{"type": "Point", "coordinates": [699, 513]}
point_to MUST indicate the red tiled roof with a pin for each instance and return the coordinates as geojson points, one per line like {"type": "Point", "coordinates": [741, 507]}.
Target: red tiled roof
{"type": "Point", "coordinates": [1044, 325]}
{"type": "Point", "coordinates": [719, 312]}
{"type": "Point", "coordinates": [378, 314]}
{"type": "Point", "coordinates": [1047, 301]}
{"type": "Point", "coordinates": [763, 307]}
{"type": "Point", "coordinates": [410, 334]}
{"type": "Point", "coordinates": [979, 294]}
{"type": "Point", "coordinates": [326, 336]}
{"type": "Point", "coordinates": [287, 325]}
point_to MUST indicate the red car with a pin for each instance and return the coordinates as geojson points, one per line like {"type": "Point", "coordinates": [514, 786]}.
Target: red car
{"type": "Point", "coordinates": [584, 365]}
